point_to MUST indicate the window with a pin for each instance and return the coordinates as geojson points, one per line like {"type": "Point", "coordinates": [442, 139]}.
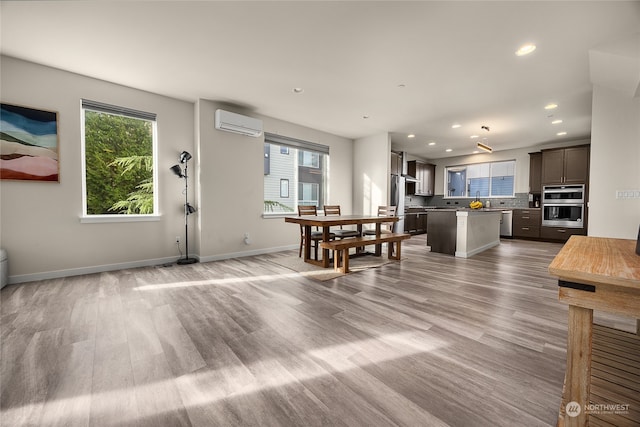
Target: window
{"type": "Point", "coordinates": [308, 194]}
{"type": "Point", "coordinates": [118, 147]}
{"type": "Point", "coordinates": [284, 188]}
{"type": "Point", "coordinates": [494, 179]}
{"type": "Point", "coordinates": [309, 159]}
{"type": "Point", "coordinates": [295, 175]}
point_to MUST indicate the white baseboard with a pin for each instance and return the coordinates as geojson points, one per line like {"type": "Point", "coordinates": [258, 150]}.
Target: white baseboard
{"type": "Point", "coordinates": [469, 254]}
{"type": "Point", "coordinates": [247, 253]}
{"type": "Point", "coordinates": [23, 278]}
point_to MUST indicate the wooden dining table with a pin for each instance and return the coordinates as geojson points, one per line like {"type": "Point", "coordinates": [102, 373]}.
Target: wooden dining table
{"type": "Point", "coordinates": [594, 274]}
{"type": "Point", "coordinates": [326, 222]}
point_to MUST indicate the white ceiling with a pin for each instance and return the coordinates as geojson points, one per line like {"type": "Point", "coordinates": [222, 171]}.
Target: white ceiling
{"type": "Point", "coordinates": [455, 59]}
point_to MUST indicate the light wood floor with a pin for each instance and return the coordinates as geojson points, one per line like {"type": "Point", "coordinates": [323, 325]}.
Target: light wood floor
{"type": "Point", "coordinates": [430, 341]}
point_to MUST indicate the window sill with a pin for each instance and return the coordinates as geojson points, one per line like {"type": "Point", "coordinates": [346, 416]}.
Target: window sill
{"type": "Point", "coordinates": [94, 219]}
{"type": "Point", "coordinates": [269, 215]}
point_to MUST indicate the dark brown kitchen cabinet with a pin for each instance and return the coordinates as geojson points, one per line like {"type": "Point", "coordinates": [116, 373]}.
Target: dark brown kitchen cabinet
{"type": "Point", "coordinates": [415, 221]}
{"type": "Point", "coordinates": [565, 165]}
{"type": "Point", "coordinates": [410, 222]}
{"type": "Point", "coordinates": [535, 173]}
{"type": "Point", "coordinates": [561, 234]}
{"type": "Point", "coordinates": [526, 223]}
{"type": "Point", "coordinates": [422, 222]}
{"type": "Point", "coordinates": [425, 176]}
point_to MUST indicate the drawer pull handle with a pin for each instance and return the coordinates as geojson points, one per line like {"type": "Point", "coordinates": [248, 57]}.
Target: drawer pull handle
{"type": "Point", "coordinates": [525, 228]}
{"type": "Point", "coordinates": [562, 231]}
{"type": "Point", "coordinates": [525, 217]}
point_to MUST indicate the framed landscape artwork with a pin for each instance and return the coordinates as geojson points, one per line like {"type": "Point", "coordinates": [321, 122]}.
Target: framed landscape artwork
{"type": "Point", "coordinates": [28, 144]}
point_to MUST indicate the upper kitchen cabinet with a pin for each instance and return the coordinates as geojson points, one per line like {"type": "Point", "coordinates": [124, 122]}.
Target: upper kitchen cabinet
{"type": "Point", "coordinates": [396, 163]}
{"type": "Point", "coordinates": [565, 165]}
{"type": "Point", "coordinates": [425, 176]}
{"type": "Point", "coordinates": [535, 173]}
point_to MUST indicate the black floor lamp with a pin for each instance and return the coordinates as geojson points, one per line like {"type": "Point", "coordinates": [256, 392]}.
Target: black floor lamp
{"type": "Point", "coordinates": [188, 209]}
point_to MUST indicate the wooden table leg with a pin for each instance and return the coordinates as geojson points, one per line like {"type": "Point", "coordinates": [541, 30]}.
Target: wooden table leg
{"type": "Point", "coordinates": [325, 252]}
{"type": "Point", "coordinates": [578, 374]}
{"type": "Point", "coordinates": [379, 245]}
{"type": "Point", "coordinates": [359, 249]}
{"type": "Point", "coordinates": [307, 243]}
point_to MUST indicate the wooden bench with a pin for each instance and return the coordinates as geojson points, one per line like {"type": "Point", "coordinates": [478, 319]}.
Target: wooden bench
{"type": "Point", "coordinates": [341, 248]}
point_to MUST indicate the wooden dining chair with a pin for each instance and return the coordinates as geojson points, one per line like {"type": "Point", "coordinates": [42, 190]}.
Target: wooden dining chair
{"type": "Point", "coordinates": [334, 210]}
{"type": "Point", "coordinates": [385, 227]}
{"type": "Point", "coordinates": [316, 235]}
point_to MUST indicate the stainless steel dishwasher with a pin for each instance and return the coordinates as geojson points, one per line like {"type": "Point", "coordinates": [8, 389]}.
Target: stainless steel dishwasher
{"type": "Point", "coordinates": [506, 224]}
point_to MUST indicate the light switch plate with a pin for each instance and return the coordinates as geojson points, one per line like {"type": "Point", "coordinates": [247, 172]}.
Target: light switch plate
{"type": "Point", "coordinates": [627, 194]}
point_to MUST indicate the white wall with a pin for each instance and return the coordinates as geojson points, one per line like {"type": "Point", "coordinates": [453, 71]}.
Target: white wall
{"type": "Point", "coordinates": [371, 173]}
{"type": "Point", "coordinates": [521, 156]}
{"type": "Point", "coordinates": [40, 222]}
{"type": "Point", "coordinates": [231, 177]}
{"type": "Point", "coordinates": [615, 164]}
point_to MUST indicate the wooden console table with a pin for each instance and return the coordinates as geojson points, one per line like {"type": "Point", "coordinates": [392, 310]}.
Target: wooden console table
{"type": "Point", "coordinates": [594, 274]}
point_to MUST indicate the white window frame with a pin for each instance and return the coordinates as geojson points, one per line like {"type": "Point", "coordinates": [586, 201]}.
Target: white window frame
{"type": "Point", "coordinates": [314, 157]}
{"type": "Point", "coordinates": [297, 144]}
{"type": "Point", "coordinates": [117, 217]}
{"type": "Point", "coordinates": [471, 196]}
{"type": "Point", "coordinates": [284, 188]}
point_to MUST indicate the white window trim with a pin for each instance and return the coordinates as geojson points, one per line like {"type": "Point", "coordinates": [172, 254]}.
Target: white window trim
{"type": "Point", "coordinates": [86, 218]}
{"type": "Point", "coordinates": [97, 219]}
{"type": "Point", "coordinates": [470, 196]}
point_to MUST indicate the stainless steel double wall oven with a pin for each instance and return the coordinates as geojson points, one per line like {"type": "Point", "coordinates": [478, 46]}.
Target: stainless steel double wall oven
{"type": "Point", "coordinates": [563, 206]}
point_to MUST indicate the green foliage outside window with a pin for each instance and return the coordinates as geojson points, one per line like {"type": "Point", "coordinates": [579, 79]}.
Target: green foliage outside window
{"type": "Point", "coordinates": [119, 164]}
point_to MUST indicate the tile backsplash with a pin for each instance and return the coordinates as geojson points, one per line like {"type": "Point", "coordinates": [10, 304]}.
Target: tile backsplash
{"type": "Point", "coordinates": [521, 200]}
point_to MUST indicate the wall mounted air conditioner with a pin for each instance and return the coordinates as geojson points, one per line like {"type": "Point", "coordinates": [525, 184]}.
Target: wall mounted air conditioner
{"type": "Point", "coordinates": [237, 123]}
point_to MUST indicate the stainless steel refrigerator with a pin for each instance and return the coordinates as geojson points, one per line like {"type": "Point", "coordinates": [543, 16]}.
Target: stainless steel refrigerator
{"type": "Point", "coordinates": [397, 200]}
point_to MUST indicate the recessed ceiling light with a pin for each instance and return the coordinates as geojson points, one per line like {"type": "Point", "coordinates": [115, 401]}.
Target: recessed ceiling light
{"type": "Point", "coordinates": [555, 122]}
{"type": "Point", "coordinates": [432, 143]}
{"type": "Point", "coordinates": [365, 117]}
{"type": "Point", "coordinates": [456, 126]}
{"type": "Point", "coordinates": [402, 85]}
{"type": "Point", "coordinates": [411, 135]}
{"type": "Point", "coordinates": [298, 90]}
{"type": "Point", "coordinates": [448, 150]}
{"type": "Point", "coordinates": [550, 106]}
{"type": "Point", "coordinates": [561, 133]}
{"type": "Point", "coordinates": [525, 49]}
{"type": "Point", "coordinates": [473, 136]}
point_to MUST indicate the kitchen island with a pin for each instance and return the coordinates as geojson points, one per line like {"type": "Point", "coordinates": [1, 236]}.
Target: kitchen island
{"type": "Point", "coordinates": [463, 232]}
